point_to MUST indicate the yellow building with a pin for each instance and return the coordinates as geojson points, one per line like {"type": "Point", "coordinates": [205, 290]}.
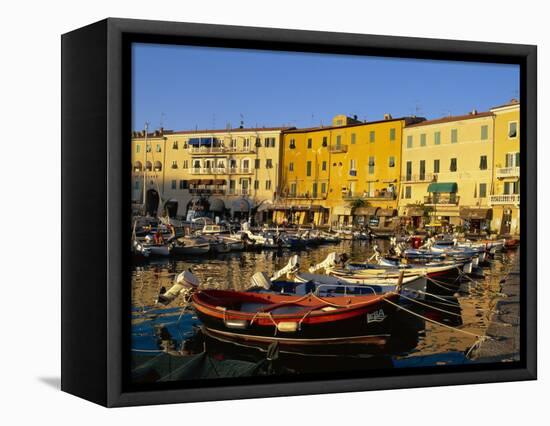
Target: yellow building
{"type": "Point", "coordinates": [447, 167]}
{"type": "Point", "coordinates": [505, 196]}
{"type": "Point", "coordinates": [224, 171]}
{"type": "Point", "coordinates": [328, 170]}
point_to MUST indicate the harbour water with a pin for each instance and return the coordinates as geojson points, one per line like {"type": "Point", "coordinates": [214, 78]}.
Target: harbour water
{"type": "Point", "coordinates": [418, 342]}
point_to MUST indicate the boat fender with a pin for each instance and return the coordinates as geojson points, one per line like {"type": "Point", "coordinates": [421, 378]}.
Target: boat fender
{"type": "Point", "coordinates": [475, 262]}
{"type": "Point", "coordinates": [287, 327]}
{"type": "Point", "coordinates": [467, 269]}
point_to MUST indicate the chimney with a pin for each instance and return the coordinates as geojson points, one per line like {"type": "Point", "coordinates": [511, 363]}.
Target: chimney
{"type": "Point", "coordinates": [474, 112]}
{"type": "Point", "coordinates": [387, 116]}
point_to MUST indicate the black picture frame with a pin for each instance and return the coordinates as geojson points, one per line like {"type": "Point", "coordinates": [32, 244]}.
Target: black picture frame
{"type": "Point", "coordinates": [96, 90]}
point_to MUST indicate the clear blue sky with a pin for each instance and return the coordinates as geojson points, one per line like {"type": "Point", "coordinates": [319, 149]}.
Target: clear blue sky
{"type": "Point", "coordinates": [184, 87]}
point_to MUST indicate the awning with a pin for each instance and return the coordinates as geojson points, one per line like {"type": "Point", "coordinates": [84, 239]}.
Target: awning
{"type": "Point", "coordinates": [365, 211]}
{"type": "Point", "coordinates": [414, 212]}
{"type": "Point", "coordinates": [194, 181]}
{"type": "Point", "coordinates": [240, 205]}
{"type": "Point", "coordinates": [386, 212]}
{"type": "Point", "coordinates": [316, 208]}
{"type": "Point", "coordinates": [300, 208]}
{"type": "Point", "coordinates": [341, 211]}
{"type": "Point", "coordinates": [476, 213]}
{"type": "Point", "coordinates": [443, 187]}
{"type": "Point", "coordinates": [206, 181]}
{"type": "Point", "coordinates": [219, 182]}
{"type": "Point", "coordinates": [217, 205]}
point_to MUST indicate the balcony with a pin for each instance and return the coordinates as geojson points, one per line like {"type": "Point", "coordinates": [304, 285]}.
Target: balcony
{"type": "Point", "coordinates": [238, 191]}
{"type": "Point", "coordinates": [305, 196]}
{"type": "Point", "coordinates": [337, 148]}
{"type": "Point", "coordinates": [208, 170]}
{"type": "Point", "coordinates": [504, 199]}
{"type": "Point", "coordinates": [207, 191]}
{"type": "Point", "coordinates": [240, 171]}
{"type": "Point", "coordinates": [381, 195]}
{"type": "Point", "coordinates": [442, 199]}
{"type": "Point", "coordinates": [426, 177]}
{"type": "Point", "coordinates": [507, 172]}
{"type": "Point", "coordinates": [209, 150]}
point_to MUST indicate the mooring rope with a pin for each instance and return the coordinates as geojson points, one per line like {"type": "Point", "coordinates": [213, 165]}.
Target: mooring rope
{"type": "Point", "coordinates": [430, 306]}
{"type": "Point", "coordinates": [477, 336]}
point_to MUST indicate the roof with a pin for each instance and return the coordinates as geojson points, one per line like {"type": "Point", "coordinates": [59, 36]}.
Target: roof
{"type": "Point", "coordinates": [232, 130]}
{"type": "Point", "coordinates": [452, 118]}
{"type": "Point", "coordinates": [366, 123]}
{"type": "Point", "coordinates": [512, 102]}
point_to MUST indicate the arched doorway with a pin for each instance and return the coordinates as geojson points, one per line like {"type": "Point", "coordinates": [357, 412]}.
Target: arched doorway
{"type": "Point", "coordinates": [171, 208]}
{"type": "Point", "coordinates": [152, 202]}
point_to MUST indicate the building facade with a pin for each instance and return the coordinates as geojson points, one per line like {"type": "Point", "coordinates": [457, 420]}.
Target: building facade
{"type": "Point", "coordinates": [227, 172]}
{"type": "Point", "coordinates": [504, 199]}
{"type": "Point", "coordinates": [447, 170]}
{"type": "Point", "coordinates": [329, 171]}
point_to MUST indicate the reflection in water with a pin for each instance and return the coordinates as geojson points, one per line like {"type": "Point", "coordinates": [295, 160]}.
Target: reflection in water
{"type": "Point", "coordinates": [168, 343]}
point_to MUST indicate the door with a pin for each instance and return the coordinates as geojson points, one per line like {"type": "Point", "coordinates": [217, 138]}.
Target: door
{"type": "Point", "coordinates": [505, 224]}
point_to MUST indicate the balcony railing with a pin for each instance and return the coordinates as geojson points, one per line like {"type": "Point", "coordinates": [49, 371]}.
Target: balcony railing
{"type": "Point", "coordinates": [348, 196]}
{"type": "Point", "coordinates": [221, 149]}
{"type": "Point", "coordinates": [495, 200]}
{"type": "Point", "coordinates": [238, 191]}
{"type": "Point", "coordinates": [208, 170]}
{"type": "Point", "coordinates": [217, 191]}
{"type": "Point", "coordinates": [338, 148]}
{"type": "Point", "coordinates": [240, 171]}
{"type": "Point", "coordinates": [305, 196]}
{"type": "Point", "coordinates": [443, 199]}
{"type": "Point", "coordinates": [507, 172]}
{"type": "Point", "coordinates": [426, 177]}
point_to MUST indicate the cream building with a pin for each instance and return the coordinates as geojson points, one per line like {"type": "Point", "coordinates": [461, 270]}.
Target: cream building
{"type": "Point", "coordinates": [226, 171]}
{"type": "Point", "coordinates": [506, 193]}
{"type": "Point", "coordinates": [447, 167]}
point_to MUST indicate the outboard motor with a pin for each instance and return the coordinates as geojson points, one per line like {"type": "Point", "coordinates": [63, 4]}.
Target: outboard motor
{"type": "Point", "coordinates": [185, 281]}
{"type": "Point", "coordinates": [260, 281]}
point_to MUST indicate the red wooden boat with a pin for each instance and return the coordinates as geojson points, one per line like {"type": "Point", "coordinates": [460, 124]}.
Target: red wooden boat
{"type": "Point", "coordinates": [294, 320]}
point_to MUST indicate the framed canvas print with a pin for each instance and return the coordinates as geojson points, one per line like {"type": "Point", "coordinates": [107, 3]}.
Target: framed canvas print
{"type": "Point", "coordinates": [253, 212]}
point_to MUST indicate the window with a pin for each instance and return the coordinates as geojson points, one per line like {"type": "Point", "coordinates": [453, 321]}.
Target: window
{"type": "Point", "coordinates": [138, 148]}
{"type": "Point", "coordinates": [436, 166]}
{"type": "Point", "coordinates": [232, 186]}
{"type": "Point", "coordinates": [174, 183]}
{"type": "Point", "coordinates": [185, 164]}
{"type": "Point", "coordinates": [246, 143]}
{"type": "Point", "coordinates": [437, 138]}
{"type": "Point", "coordinates": [392, 135]}
{"type": "Point", "coordinates": [408, 192]}
{"type": "Point", "coordinates": [309, 143]}
{"type": "Point", "coordinates": [293, 188]}
{"type": "Point", "coordinates": [507, 188]}
{"type": "Point", "coordinates": [324, 166]}
{"type": "Point", "coordinates": [372, 136]}
{"type": "Point", "coordinates": [325, 141]}
{"type": "Point", "coordinates": [308, 168]}
{"type": "Point", "coordinates": [422, 169]}
{"type": "Point", "coordinates": [256, 184]}
{"type": "Point", "coordinates": [136, 184]}
{"type": "Point", "coordinates": [257, 163]}
{"type": "Point", "coordinates": [512, 129]}
{"type": "Point", "coordinates": [233, 143]}
{"type": "Point", "coordinates": [291, 167]}
{"type": "Point", "coordinates": [371, 165]}
{"type": "Point", "coordinates": [267, 184]}
{"type": "Point", "coordinates": [339, 140]}
{"type": "Point", "coordinates": [484, 132]}
{"type": "Point", "coordinates": [515, 187]}
{"type": "Point", "coordinates": [175, 145]}
{"type": "Point", "coordinates": [292, 144]}
{"type": "Point", "coordinates": [512, 159]}
{"type": "Point", "coordinates": [391, 161]}
{"type": "Point", "coordinates": [409, 171]}
{"type": "Point", "coordinates": [352, 169]}
{"type": "Point", "coordinates": [409, 141]}
{"type": "Point", "coordinates": [174, 165]}
{"type": "Point", "coordinates": [483, 162]}
{"type": "Point", "coordinates": [148, 148]}
{"type": "Point", "coordinates": [314, 189]}
{"type": "Point", "coordinates": [270, 142]}
{"type": "Point", "coordinates": [323, 188]}
{"type": "Point", "coordinates": [452, 167]}
{"type": "Point", "coordinates": [269, 163]}
{"type": "Point", "coordinates": [159, 149]}
{"type": "Point", "coordinates": [353, 138]}
{"type": "Point", "coordinates": [183, 184]}
{"type": "Point", "coordinates": [454, 135]}
{"type": "Point", "coordinates": [258, 142]}
{"type": "Point", "coordinates": [482, 190]}
{"type": "Point", "coordinates": [423, 139]}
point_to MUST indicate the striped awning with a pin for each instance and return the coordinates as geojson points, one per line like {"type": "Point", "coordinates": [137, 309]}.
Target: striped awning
{"type": "Point", "coordinates": [443, 187]}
